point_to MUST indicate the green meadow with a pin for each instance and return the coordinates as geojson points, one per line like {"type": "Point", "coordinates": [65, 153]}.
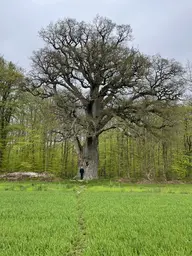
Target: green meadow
{"type": "Point", "coordinates": [101, 218]}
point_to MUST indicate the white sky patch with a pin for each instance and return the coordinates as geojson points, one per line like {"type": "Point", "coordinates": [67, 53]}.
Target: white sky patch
{"type": "Point", "coordinates": [45, 2]}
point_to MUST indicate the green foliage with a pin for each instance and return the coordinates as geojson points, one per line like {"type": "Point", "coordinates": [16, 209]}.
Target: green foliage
{"type": "Point", "coordinates": [34, 147]}
{"type": "Point", "coordinates": [11, 79]}
{"type": "Point", "coordinates": [33, 139]}
{"type": "Point", "coordinates": [182, 166]}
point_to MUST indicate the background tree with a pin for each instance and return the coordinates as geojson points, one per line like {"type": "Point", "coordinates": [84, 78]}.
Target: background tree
{"type": "Point", "coordinates": [96, 77]}
{"type": "Point", "coordinates": [11, 79]}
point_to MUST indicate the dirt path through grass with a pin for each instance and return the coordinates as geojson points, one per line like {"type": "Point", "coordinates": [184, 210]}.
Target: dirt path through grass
{"type": "Point", "coordinates": [79, 240]}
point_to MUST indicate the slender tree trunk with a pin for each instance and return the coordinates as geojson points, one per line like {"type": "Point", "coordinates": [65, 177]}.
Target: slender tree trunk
{"type": "Point", "coordinates": [128, 158]}
{"type": "Point", "coordinates": [3, 137]}
{"type": "Point", "coordinates": [165, 160]}
{"type": "Point", "coordinates": [1, 157]}
{"type": "Point", "coordinates": [103, 172]}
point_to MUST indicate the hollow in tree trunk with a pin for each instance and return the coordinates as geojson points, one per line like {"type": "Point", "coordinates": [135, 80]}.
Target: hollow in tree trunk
{"type": "Point", "coordinates": [89, 158]}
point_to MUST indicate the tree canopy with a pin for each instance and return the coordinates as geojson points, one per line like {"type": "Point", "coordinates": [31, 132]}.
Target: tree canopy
{"type": "Point", "coordinates": [97, 79]}
{"type": "Point", "coordinates": [11, 79]}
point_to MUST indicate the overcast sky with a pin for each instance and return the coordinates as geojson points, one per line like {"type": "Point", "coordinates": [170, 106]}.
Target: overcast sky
{"type": "Point", "coordinates": [159, 26]}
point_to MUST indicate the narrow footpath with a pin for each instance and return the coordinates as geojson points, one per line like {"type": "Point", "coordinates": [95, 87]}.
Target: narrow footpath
{"type": "Point", "coordinates": [79, 240]}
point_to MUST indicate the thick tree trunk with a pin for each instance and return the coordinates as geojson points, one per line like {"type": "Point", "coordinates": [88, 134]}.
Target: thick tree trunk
{"type": "Point", "coordinates": [89, 158]}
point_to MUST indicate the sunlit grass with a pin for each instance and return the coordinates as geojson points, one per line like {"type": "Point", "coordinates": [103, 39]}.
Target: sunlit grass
{"type": "Point", "coordinates": [100, 185]}
{"type": "Point", "coordinates": [38, 223]}
{"type": "Point", "coordinates": [138, 224]}
{"type": "Point", "coordinates": [46, 219]}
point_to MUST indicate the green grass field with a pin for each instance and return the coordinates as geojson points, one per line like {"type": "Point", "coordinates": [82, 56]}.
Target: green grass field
{"type": "Point", "coordinates": [95, 219]}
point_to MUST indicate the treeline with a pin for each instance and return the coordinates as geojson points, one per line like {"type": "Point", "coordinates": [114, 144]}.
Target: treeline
{"type": "Point", "coordinates": [166, 156]}
{"type": "Point", "coordinates": [32, 139]}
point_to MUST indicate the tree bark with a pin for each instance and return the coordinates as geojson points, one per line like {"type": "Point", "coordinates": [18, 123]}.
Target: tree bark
{"type": "Point", "coordinates": [89, 158]}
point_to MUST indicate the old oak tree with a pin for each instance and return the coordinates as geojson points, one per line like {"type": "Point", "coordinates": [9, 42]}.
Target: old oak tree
{"type": "Point", "coordinates": [97, 80]}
